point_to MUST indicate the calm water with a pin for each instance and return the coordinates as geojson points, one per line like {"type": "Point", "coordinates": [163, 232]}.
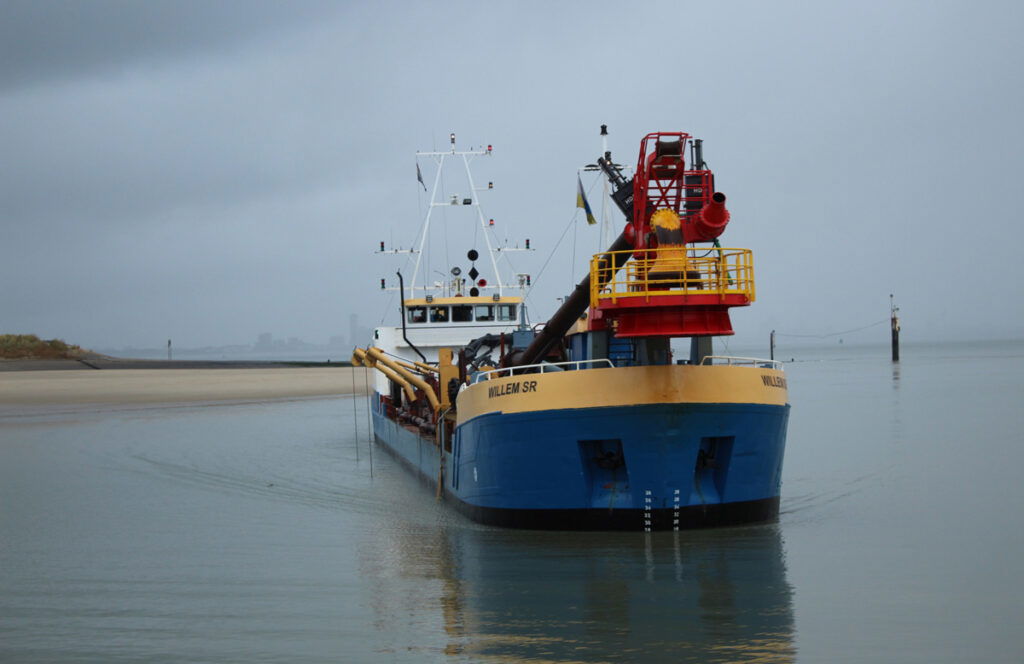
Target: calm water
{"type": "Point", "coordinates": [256, 533]}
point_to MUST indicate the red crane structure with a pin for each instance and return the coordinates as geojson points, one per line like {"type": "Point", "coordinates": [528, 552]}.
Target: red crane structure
{"type": "Point", "coordinates": [671, 286]}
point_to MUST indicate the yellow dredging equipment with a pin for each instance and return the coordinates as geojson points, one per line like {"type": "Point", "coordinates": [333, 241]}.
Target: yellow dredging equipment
{"type": "Point", "coordinates": [361, 358]}
{"type": "Point", "coordinates": [394, 370]}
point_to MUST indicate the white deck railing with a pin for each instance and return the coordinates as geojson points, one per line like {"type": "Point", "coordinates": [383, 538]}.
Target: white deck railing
{"type": "Point", "coordinates": [577, 365]}
{"type": "Point", "coordinates": [544, 367]}
{"type": "Point", "coordinates": [741, 361]}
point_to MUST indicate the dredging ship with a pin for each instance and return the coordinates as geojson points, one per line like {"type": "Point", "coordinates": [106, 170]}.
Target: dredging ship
{"type": "Point", "coordinates": [588, 422]}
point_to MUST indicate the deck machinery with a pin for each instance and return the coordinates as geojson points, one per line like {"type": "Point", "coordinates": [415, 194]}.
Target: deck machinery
{"type": "Point", "coordinates": [669, 286]}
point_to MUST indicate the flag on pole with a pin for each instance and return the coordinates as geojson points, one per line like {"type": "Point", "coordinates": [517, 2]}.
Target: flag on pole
{"type": "Point", "coordinates": [419, 176]}
{"type": "Point", "coordinates": [581, 201]}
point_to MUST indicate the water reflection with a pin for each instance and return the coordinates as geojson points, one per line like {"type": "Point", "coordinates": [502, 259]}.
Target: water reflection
{"type": "Point", "coordinates": [896, 429]}
{"type": "Point", "coordinates": [710, 596]}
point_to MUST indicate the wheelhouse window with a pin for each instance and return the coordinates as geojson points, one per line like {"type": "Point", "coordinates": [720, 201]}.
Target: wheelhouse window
{"type": "Point", "coordinates": [416, 314]}
{"type": "Point", "coordinates": [462, 313]}
{"type": "Point", "coordinates": [438, 314]}
{"type": "Point", "coordinates": [506, 312]}
{"type": "Point", "coordinates": [484, 312]}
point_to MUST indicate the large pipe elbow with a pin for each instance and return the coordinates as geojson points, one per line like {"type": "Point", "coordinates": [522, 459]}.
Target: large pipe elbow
{"type": "Point", "coordinates": [710, 222]}
{"type": "Point", "coordinates": [409, 378]}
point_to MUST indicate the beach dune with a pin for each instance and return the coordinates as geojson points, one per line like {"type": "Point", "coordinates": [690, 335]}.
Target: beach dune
{"type": "Point", "coordinates": [133, 386]}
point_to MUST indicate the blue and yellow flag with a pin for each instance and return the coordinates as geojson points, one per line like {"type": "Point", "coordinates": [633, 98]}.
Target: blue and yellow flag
{"type": "Point", "coordinates": [581, 201]}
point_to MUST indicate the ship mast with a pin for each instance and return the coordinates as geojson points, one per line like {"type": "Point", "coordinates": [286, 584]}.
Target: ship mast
{"type": "Point", "coordinates": [440, 158]}
{"type": "Point", "coordinates": [605, 232]}
{"type": "Point", "coordinates": [606, 227]}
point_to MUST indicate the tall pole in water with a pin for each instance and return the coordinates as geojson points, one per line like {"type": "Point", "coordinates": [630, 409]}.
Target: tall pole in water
{"type": "Point", "coordinates": [894, 322]}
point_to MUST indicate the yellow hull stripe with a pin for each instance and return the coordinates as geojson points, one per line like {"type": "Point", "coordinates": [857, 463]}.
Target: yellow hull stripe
{"type": "Point", "coordinates": [626, 386]}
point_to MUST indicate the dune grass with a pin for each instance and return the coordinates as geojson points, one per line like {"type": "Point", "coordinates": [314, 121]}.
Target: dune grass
{"type": "Point", "coordinates": [29, 346]}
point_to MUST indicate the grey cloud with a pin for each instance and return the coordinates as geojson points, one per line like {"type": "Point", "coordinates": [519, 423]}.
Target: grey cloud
{"type": "Point", "coordinates": [231, 172]}
{"type": "Point", "coordinates": [46, 40]}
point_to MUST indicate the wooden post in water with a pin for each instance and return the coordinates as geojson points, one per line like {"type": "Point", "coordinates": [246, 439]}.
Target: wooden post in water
{"type": "Point", "coordinates": [894, 322]}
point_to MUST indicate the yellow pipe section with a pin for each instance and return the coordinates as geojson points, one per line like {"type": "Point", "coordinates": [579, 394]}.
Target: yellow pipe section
{"type": "Point", "coordinates": [446, 372]}
{"type": "Point", "coordinates": [368, 360]}
{"type": "Point", "coordinates": [379, 357]}
{"type": "Point", "coordinates": [415, 366]}
{"type": "Point", "coordinates": [409, 392]}
{"type": "Point", "coordinates": [418, 367]}
{"type": "Point", "coordinates": [404, 365]}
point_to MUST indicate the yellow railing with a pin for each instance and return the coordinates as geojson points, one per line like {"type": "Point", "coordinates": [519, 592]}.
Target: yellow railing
{"type": "Point", "coordinates": [672, 271]}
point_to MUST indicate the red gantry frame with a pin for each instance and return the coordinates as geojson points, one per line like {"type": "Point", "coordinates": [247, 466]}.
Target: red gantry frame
{"type": "Point", "coordinates": [673, 288]}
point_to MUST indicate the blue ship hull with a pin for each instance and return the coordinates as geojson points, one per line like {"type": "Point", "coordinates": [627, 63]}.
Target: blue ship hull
{"type": "Point", "coordinates": [644, 467]}
{"type": "Point", "coordinates": [418, 453]}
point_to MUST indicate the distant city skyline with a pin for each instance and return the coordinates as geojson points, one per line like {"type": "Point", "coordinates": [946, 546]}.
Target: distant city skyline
{"type": "Point", "coordinates": [263, 343]}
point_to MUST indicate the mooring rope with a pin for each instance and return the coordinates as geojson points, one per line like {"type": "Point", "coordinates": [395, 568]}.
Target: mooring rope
{"type": "Point", "coordinates": [832, 334]}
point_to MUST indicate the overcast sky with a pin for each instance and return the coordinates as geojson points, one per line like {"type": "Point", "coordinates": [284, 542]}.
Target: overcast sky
{"type": "Point", "coordinates": [207, 171]}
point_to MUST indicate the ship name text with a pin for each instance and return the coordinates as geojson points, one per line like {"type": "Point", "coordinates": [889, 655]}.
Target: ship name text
{"type": "Point", "coordinates": [511, 388]}
{"type": "Point", "coordinates": [773, 381]}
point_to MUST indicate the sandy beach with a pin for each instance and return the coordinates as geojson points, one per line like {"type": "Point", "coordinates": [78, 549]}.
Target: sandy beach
{"type": "Point", "coordinates": [139, 386]}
